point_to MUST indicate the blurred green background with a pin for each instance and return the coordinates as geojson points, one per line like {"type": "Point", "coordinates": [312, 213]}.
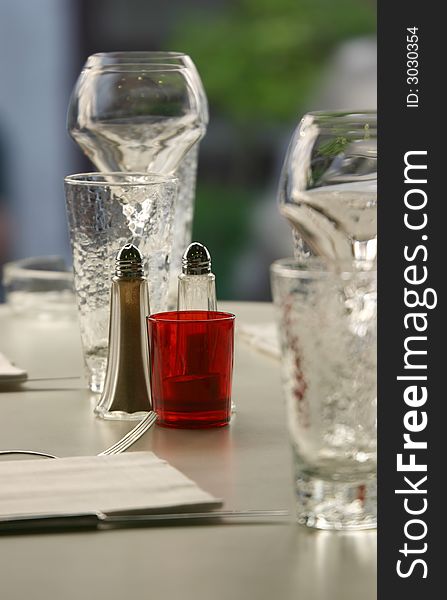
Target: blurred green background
{"type": "Point", "coordinates": [260, 61]}
{"type": "Point", "coordinates": [263, 64]}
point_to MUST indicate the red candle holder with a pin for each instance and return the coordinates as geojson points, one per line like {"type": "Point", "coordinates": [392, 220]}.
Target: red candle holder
{"type": "Point", "coordinates": [191, 367]}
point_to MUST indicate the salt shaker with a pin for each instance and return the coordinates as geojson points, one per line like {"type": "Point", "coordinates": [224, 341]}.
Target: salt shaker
{"type": "Point", "coordinates": [126, 392]}
{"type": "Point", "coordinates": [196, 282]}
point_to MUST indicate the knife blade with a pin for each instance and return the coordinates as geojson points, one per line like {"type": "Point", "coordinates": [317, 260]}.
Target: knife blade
{"type": "Point", "coordinates": [99, 520]}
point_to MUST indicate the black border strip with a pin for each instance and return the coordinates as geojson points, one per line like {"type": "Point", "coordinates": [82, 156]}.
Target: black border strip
{"type": "Point", "coordinates": [411, 125]}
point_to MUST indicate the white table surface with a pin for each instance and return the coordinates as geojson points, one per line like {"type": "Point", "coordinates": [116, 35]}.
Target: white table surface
{"type": "Point", "coordinates": [248, 464]}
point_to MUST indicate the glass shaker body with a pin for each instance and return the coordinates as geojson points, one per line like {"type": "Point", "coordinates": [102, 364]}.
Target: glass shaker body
{"type": "Point", "coordinates": [126, 393]}
{"type": "Point", "coordinates": [197, 292]}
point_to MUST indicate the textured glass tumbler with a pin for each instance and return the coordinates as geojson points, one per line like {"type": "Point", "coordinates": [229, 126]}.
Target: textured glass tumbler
{"type": "Point", "coordinates": [327, 326]}
{"type": "Point", "coordinates": [191, 367]}
{"type": "Point", "coordinates": [106, 211]}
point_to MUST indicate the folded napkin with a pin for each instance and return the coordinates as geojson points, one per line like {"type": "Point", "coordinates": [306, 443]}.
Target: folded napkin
{"type": "Point", "coordinates": [262, 337]}
{"type": "Point", "coordinates": [9, 373]}
{"type": "Point", "coordinates": [123, 482]}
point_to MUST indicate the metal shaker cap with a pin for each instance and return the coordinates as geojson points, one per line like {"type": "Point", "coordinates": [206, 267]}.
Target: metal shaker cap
{"type": "Point", "coordinates": [196, 260]}
{"type": "Point", "coordinates": [129, 262]}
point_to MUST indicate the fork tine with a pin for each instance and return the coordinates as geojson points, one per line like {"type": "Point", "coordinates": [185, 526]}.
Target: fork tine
{"type": "Point", "coordinates": [139, 430]}
{"type": "Point", "coordinates": [125, 442]}
{"type": "Point", "coordinates": [136, 434]}
{"type": "Point", "coordinates": [120, 446]}
{"type": "Point", "coordinates": [131, 437]}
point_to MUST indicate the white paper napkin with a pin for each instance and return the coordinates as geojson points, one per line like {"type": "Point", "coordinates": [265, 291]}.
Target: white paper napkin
{"type": "Point", "coordinates": [9, 373]}
{"type": "Point", "coordinates": [123, 482]}
{"type": "Point", "coordinates": [261, 336]}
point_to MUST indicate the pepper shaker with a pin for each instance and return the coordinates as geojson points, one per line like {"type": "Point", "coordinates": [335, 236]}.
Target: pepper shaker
{"type": "Point", "coordinates": [126, 392]}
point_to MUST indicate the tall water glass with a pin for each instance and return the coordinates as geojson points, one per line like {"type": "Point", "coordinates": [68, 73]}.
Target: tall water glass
{"type": "Point", "coordinates": [106, 211]}
{"type": "Point", "coordinates": [327, 325]}
{"type": "Point", "coordinates": [134, 125]}
{"type": "Point", "coordinates": [328, 185]}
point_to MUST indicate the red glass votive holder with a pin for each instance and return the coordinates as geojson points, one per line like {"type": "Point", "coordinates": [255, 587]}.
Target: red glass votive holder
{"type": "Point", "coordinates": [191, 367]}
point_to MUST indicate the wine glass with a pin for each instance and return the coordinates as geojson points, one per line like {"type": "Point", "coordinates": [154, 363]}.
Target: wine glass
{"type": "Point", "coordinates": [328, 186]}
{"type": "Point", "coordinates": [144, 111]}
{"type": "Point", "coordinates": [135, 117]}
{"type": "Point", "coordinates": [154, 57]}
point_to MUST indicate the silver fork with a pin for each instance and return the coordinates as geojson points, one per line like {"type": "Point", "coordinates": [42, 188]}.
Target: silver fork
{"type": "Point", "coordinates": [120, 446]}
{"type": "Point", "coordinates": [130, 438]}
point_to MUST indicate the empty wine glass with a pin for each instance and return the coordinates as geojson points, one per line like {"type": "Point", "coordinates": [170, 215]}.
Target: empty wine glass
{"type": "Point", "coordinates": [128, 117]}
{"type": "Point", "coordinates": [144, 111]}
{"type": "Point", "coordinates": [328, 185]}
{"type": "Point", "coordinates": [154, 57]}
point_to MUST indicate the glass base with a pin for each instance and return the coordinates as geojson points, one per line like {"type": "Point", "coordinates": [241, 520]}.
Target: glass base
{"type": "Point", "coordinates": [338, 505]}
{"type": "Point", "coordinates": [205, 420]}
{"type": "Point", "coordinates": [119, 415]}
{"type": "Point", "coordinates": [96, 381]}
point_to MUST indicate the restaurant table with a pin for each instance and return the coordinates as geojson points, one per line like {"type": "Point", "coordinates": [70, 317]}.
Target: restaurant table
{"type": "Point", "coordinates": [248, 464]}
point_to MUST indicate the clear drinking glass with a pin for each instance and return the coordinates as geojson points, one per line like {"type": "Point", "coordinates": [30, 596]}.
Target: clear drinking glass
{"type": "Point", "coordinates": [106, 211]}
{"type": "Point", "coordinates": [144, 111]}
{"type": "Point", "coordinates": [327, 324]}
{"type": "Point", "coordinates": [328, 185]}
{"type": "Point", "coordinates": [40, 287]}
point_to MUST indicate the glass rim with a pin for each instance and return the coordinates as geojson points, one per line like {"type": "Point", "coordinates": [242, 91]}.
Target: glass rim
{"type": "Point", "coordinates": [19, 269]}
{"type": "Point", "coordinates": [219, 316]}
{"type": "Point", "coordinates": [315, 267]}
{"type": "Point", "coordinates": [342, 112]}
{"type": "Point", "coordinates": [88, 179]}
{"type": "Point", "coordinates": [135, 53]}
{"type": "Point", "coordinates": [144, 66]}
{"type": "Point", "coordinates": [341, 122]}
